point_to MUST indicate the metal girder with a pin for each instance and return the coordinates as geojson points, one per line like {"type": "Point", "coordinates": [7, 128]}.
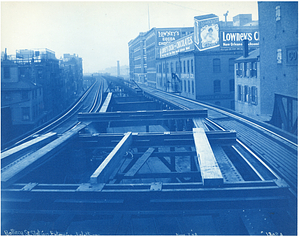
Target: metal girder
{"type": "Point", "coordinates": [209, 168]}
{"type": "Point", "coordinates": [157, 139]}
{"type": "Point", "coordinates": [135, 106]}
{"type": "Point", "coordinates": [112, 161]}
{"type": "Point", "coordinates": [140, 162]}
{"type": "Point", "coordinates": [146, 197]}
{"type": "Point", "coordinates": [145, 116]}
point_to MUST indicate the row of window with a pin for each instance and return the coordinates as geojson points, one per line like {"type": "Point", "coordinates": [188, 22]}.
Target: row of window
{"type": "Point", "coordinates": [246, 69]}
{"type": "Point", "coordinates": [185, 67]}
{"type": "Point", "coordinates": [187, 88]}
{"type": "Point", "coordinates": [248, 94]}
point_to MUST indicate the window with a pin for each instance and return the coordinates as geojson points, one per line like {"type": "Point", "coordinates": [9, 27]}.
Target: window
{"type": "Point", "coordinates": [25, 113]}
{"type": "Point", "coordinates": [180, 68]}
{"type": "Point", "coordinates": [183, 67]}
{"type": "Point", "coordinates": [177, 67]}
{"type": "Point", "coordinates": [192, 66]}
{"type": "Point", "coordinates": [254, 99]}
{"type": "Point", "coordinates": [25, 95]}
{"type": "Point", "coordinates": [277, 11]}
{"type": "Point", "coordinates": [188, 66]}
{"type": "Point", "coordinates": [217, 86]}
{"type": "Point", "coordinates": [184, 85]}
{"type": "Point", "coordinates": [193, 87]}
{"type": "Point", "coordinates": [246, 94]}
{"type": "Point", "coordinates": [167, 67]}
{"type": "Point", "coordinates": [231, 85]}
{"type": "Point", "coordinates": [6, 71]}
{"type": "Point", "coordinates": [160, 68]}
{"type": "Point", "coordinates": [216, 65]}
{"type": "Point", "coordinates": [240, 93]}
{"type": "Point", "coordinates": [171, 67]}
{"type": "Point", "coordinates": [253, 71]}
{"type": "Point", "coordinates": [279, 56]}
{"type": "Point", "coordinates": [231, 65]}
{"type": "Point", "coordinates": [189, 86]}
{"type": "Point", "coordinates": [245, 69]}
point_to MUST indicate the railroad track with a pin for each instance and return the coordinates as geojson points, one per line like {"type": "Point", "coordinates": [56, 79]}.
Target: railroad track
{"type": "Point", "coordinates": [278, 155]}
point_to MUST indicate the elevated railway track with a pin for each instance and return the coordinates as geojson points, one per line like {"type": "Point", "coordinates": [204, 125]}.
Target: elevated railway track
{"type": "Point", "coordinates": [142, 161]}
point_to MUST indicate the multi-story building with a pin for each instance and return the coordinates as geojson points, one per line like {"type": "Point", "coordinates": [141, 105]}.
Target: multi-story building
{"type": "Point", "coordinates": [201, 65]}
{"type": "Point", "coordinates": [72, 76]}
{"type": "Point", "coordinates": [144, 52]}
{"type": "Point", "coordinates": [21, 101]}
{"type": "Point", "coordinates": [278, 24]}
{"type": "Point", "coordinates": [247, 83]}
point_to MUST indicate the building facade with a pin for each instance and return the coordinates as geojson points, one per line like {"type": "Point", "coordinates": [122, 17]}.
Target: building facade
{"type": "Point", "coordinates": [144, 52]}
{"type": "Point", "coordinates": [248, 84]}
{"type": "Point", "coordinates": [21, 101]}
{"type": "Point", "coordinates": [201, 65]}
{"type": "Point", "coordinates": [278, 23]}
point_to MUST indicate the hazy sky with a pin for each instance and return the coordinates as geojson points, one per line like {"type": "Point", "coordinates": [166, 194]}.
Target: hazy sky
{"type": "Point", "coordinates": [99, 31]}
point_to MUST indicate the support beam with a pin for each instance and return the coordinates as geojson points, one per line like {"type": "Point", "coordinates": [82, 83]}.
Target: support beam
{"type": "Point", "coordinates": [142, 115]}
{"type": "Point", "coordinates": [209, 168]}
{"type": "Point", "coordinates": [140, 162]}
{"type": "Point", "coordinates": [107, 167]}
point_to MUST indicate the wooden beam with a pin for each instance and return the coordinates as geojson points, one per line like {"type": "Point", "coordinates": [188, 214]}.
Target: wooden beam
{"type": "Point", "coordinates": [10, 155]}
{"type": "Point", "coordinates": [140, 162]}
{"type": "Point", "coordinates": [106, 168]}
{"type": "Point", "coordinates": [26, 164]}
{"type": "Point", "coordinates": [106, 103]}
{"type": "Point", "coordinates": [209, 168]}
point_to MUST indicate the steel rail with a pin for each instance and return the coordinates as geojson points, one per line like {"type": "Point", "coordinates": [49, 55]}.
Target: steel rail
{"type": "Point", "coordinates": [239, 141]}
{"type": "Point", "coordinates": [228, 114]}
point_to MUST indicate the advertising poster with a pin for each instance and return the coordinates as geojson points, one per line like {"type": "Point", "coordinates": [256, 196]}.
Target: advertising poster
{"type": "Point", "coordinates": [234, 40]}
{"type": "Point", "coordinates": [184, 44]}
{"type": "Point", "coordinates": [166, 36]}
{"type": "Point", "coordinates": [206, 29]}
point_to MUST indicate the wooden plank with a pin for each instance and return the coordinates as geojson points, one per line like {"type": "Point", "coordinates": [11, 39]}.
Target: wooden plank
{"type": "Point", "coordinates": [209, 168]}
{"type": "Point", "coordinates": [26, 164]}
{"type": "Point", "coordinates": [106, 168]}
{"type": "Point", "coordinates": [12, 153]}
{"type": "Point", "coordinates": [106, 103]}
{"type": "Point", "coordinates": [140, 162]}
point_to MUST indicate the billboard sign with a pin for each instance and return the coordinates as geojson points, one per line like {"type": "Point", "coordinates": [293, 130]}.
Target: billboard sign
{"type": "Point", "coordinates": [233, 40]}
{"type": "Point", "coordinates": [184, 44]}
{"type": "Point", "coordinates": [166, 36]}
{"type": "Point", "coordinates": [206, 30]}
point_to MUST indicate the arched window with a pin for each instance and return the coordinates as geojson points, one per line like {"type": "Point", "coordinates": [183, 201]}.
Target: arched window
{"type": "Point", "coordinates": [216, 65]}
{"type": "Point", "coordinates": [217, 86]}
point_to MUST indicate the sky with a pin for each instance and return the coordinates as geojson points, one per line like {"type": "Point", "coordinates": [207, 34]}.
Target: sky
{"type": "Point", "coordinates": [99, 31]}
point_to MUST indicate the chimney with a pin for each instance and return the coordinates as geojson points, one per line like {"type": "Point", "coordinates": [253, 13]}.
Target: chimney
{"type": "Point", "coordinates": [245, 48]}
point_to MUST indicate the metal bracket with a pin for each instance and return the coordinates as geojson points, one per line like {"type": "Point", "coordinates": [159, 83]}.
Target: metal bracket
{"type": "Point", "coordinates": [87, 187]}
{"type": "Point", "coordinates": [29, 187]}
{"type": "Point", "coordinates": [157, 186]}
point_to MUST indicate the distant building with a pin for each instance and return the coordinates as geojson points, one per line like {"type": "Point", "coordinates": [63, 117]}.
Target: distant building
{"type": "Point", "coordinates": [72, 76]}
{"type": "Point", "coordinates": [144, 51]}
{"type": "Point", "coordinates": [278, 23]}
